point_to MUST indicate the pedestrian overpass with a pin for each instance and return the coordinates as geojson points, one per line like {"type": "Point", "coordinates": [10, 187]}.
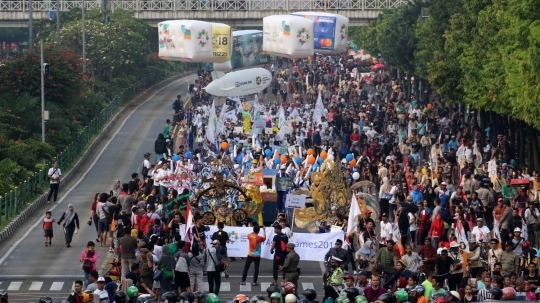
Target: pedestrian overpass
{"type": "Point", "coordinates": [236, 13]}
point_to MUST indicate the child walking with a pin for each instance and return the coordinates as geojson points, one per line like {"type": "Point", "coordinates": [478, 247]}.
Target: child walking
{"type": "Point", "coordinates": [47, 227]}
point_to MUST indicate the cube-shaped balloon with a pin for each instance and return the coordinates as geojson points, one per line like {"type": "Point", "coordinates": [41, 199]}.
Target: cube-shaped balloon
{"type": "Point", "coordinates": [288, 36]}
{"type": "Point", "coordinates": [330, 31]}
{"type": "Point", "coordinates": [194, 41]}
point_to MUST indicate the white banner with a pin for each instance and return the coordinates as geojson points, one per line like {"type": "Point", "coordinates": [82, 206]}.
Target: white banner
{"type": "Point", "coordinates": [310, 247]}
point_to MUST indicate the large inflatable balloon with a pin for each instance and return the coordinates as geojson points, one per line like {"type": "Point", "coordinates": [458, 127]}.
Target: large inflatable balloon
{"type": "Point", "coordinates": [240, 83]}
{"type": "Point", "coordinates": [288, 36]}
{"type": "Point", "coordinates": [194, 41]}
{"type": "Point", "coordinates": [246, 51]}
{"type": "Point", "coordinates": [330, 31]}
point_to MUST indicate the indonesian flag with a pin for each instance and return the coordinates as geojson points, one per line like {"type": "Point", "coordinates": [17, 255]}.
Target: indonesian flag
{"type": "Point", "coordinates": [462, 237]}
{"type": "Point", "coordinates": [189, 220]}
{"type": "Point", "coordinates": [496, 232]}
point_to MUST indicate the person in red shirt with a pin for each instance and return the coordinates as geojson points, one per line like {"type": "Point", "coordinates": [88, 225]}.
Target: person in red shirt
{"type": "Point", "coordinates": [254, 254]}
{"type": "Point", "coordinates": [429, 255]}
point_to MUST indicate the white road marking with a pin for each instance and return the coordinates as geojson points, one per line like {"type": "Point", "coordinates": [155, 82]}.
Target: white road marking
{"type": "Point", "coordinates": [245, 288]}
{"type": "Point", "coordinates": [306, 285]}
{"type": "Point", "coordinates": [40, 220]}
{"type": "Point", "coordinates": [56, 286]}
{"type": "Point", "coordinates": [264, 286]}
{"type": "Point", "coordinates": [36, 286]}
{"type": "Point", "coordinates": [14, 286]}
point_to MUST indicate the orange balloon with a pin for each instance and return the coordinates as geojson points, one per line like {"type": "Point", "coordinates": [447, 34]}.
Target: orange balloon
{"type": "Point", "coordinates": [323, 155]}
{"type": "Point", "coordinates": [352, 162]}
{"type": "Point", "coordinates": [429, 106]}
{"type": "Point", "coordinates": [283, 159]}
{"type": "Point", "coordinates": [310, 151]}
{"type": "Point", "coordinates": [277, 155]}
{"type": "Point", "coordinates": [311, 160]}
{"type": "Point", "coordinates": [224, 145]}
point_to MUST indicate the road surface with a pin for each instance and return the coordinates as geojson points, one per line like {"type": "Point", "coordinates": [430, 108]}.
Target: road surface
{"type": "Point", "coordinates": [29, 270]}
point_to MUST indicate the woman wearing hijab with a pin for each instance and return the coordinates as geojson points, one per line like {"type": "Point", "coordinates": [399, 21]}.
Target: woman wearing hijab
{"type": "Point", "coordinates": [111, 288]}
{"type": "Point", "coordinates": [167, 264]}
{"type": "Point", "coordinates": [330, 294]}
{"type": "Point", "coordinates": [117, 188]}
{"type": "Point", "coordinates": [70, 225]}
{"type": "Point", "coordinates": [364, 255]}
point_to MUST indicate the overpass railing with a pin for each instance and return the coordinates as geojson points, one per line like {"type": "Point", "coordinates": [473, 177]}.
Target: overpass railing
{"type": "Point", "coordinates": [207, 5]}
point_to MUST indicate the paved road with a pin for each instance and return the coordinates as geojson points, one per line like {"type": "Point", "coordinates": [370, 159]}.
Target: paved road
{"type": "Point", "coordinates": [29, 270]}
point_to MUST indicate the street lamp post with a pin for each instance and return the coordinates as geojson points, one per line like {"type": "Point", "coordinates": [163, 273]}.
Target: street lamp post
{"type": "Point", "coordinates": [30, 26]}
{"type": "Point", "coordinates": [83, 37]}
{"type": "Point", "coordinates": [58, 3]}
{"type": "Point", "coordinates": [42, 92]}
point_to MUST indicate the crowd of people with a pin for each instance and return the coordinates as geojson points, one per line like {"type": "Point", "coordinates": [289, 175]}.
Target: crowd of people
{"type": "Point", "coordinates": [445, 189]}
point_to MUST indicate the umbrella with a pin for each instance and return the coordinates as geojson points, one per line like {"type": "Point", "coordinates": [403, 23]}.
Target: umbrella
{"type": "Point", "coordinates": [380, 65]}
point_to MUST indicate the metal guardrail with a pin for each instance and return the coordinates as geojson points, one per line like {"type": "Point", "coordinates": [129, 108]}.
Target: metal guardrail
{"type": "Point", "coordinates": [208, 5]}
{"type": "Point", "coordinates": [12, 203]}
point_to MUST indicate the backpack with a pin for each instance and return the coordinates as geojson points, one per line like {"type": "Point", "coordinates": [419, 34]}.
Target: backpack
{"type": "Point", "coordinates": [87, 264]}
{"type": "Point", "coordinates": [445, 215]}
{"type": "Point", "coordinates": [120, 229]}
{"type": "Point", "coordinates": [176, 104]}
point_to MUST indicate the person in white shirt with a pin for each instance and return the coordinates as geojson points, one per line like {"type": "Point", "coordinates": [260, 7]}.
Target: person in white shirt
{"type": "Point", "coordinates": [412, 226]}
{"type": "Point", "coordinates": [163, 176]}
{"type": "Point", "coordinates": [54, 179]}
{"type": "Point", "coordinates": [481, 232]}
{"type": "Point", "coordinates": [285, 229]}
{"type": "Point", "coordinates": [386, 230]}
{"type": "Point", "coordinates": [146, 166]}
{"type": "Point", "coordinates": [100, 294]}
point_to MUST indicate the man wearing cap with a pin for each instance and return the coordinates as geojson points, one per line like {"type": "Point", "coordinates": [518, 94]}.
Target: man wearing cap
{"type": "Point", "coordinates": [335, 275]}
{"type": "Point", "coordinates": [494, 253]}
{"type": "Point", "coordinates": [338, 252]}
{"type": "Point", "coordinates": [509, 260]}
{"type": "Point", "coordinates": [387, 257]}
{"type": "Point", "coordinates": [283, 183]}
{"type": "Point", "coordinates": [290, 266]}
{"type": "Point", "coordinates": [517, 240]}
{"type": "Point", "coordinates": [475, 263]}
{"type": "Point", "coordinates": [146, 261]}
{"type": "Point", "coordinates": [481, 233]}
{"type": "Point", "coordinates": [100, 294]}
{"type": "Point", "coordinates": [456, 270]}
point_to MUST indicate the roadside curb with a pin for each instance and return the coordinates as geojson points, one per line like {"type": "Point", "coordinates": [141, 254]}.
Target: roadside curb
{"type": "Point", "coordinates": [42, 200]}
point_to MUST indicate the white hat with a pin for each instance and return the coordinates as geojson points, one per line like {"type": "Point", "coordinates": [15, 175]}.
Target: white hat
{"type": "Point", "coordinates": [517, 229]}
{"type": "Point", "coordinates": [336, 259]}
{"type": "Point", "coordinates": [283, 166]}
{"type": "Point", "coordinates": [101, 279]}
{"type": "Point", "coordinates": [443, 183]}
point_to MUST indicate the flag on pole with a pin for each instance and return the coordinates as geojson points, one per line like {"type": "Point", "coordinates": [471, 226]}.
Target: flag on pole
{"type": "Point", "coordinates": [353, 213]}
{"type": "Point", "coordinates": [281, 117]}
{"type": "Point", "coordinates": [220, 127]}
{"type": "Point", "coordinates": [189, 219]}
{"type": "Point", "coordinates": [212, 125]}
{"type": "Point", "coordinates": [462, 237]}
{"type": "Point", "coordinates": [319, 109]}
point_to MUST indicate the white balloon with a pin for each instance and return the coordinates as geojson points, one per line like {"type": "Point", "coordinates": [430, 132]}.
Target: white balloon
{"type": "Point", "coordinates": [330, 157]}
{"type": "Point", "coordinates": [330, 31]}
{"type": "Point", "coordinates": [356, 176]}
{"type": "Point", "coordinates": [288, 36]}
{"type": "Point", "coordinates": [263, 188]}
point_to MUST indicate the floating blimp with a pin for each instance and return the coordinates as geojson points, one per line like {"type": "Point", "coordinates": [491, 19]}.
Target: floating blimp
{"type": "Point", "coordinates": [240, 83]}
{"type": "Point", "coordinates": [246, 51]}
{"type": "Point", "coordinates": [194, 41]}
{"type": "Point", "coordinates": [288, 36]}
{"type": "Point", "coordinates": [330, 31]}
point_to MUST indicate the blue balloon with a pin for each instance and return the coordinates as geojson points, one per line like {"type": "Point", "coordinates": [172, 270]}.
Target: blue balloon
{"type": "Point", "coordinates": [277, 161]}
{"type": "Point", "coordinates": [268, 153]}
{"type": "Point", "coordinates": [176, 158]}
{"type": "Point", "coordinates": [188, 155]}
{"type": "Point", "coordinates": [239, 159]}
{"type": "Point", "coordinates": [298, 160]}
{"type": "Point", "coordinates": [349, 157]}
{"type": "Point", "coordinates": [315, 166]}
{"type": "Point", "coordinates": [321, 160]}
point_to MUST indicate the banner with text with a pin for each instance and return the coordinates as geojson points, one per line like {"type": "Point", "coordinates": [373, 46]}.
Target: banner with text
{"type": "Point", "coordinates": [310, 247]}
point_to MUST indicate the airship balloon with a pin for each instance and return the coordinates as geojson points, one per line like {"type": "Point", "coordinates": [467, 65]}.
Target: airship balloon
{"type": "Point", "coordinates": [330, 31]}
{"type": "Point", "coordinates": [240, 83]}
{"type": "Point", "coordinates": [288, 36]}
{"type": "Point", "coordinates": [194, 41]}
{"type": "Point", "coordinates": [246, 51]}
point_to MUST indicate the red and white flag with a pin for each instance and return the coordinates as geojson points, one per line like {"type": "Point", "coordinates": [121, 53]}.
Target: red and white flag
{"type": "Point", "coordinates": [189, 220]}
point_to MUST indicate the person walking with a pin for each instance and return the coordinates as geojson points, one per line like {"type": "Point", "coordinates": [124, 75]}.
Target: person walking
{"type": "Point", "coordinates": [214, 264]}
{"type": "Point", "coordinates": [71, 225]}
{"type": "Point", "coordinates": [128, 243]}
{"type": "Point", "coordinates": [290, 266]}
{"type": "Point", "coordinates": [88, 259]}
{"type": "Point", "coordinates": [196, 265]}
{"type": "Point", "coordinates": [279, 249]}
{"type": "Point", "coordinates": [54, 179]}
{"type": "Point", "coordinates": [254, 254]}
